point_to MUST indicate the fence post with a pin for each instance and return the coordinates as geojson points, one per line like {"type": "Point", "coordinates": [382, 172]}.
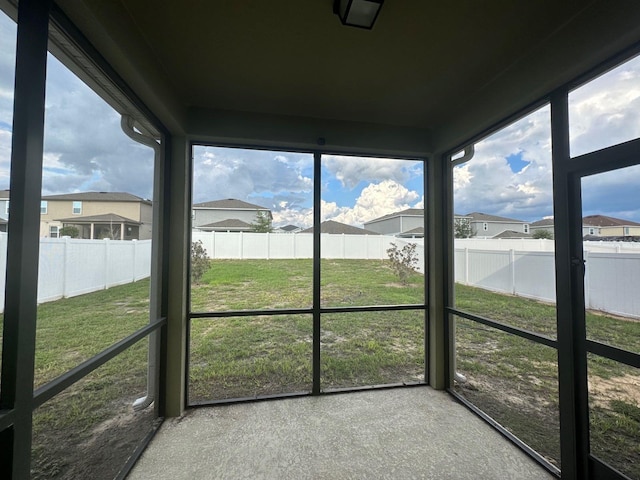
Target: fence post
{"type": "Point", "coordinates": [107, 255]}
{"type": "Point", "coordinates": [466, 265]}
{"type": "Point", "coordinates": [268, 247]}
{"type": "Point", "coordinates": [512, 267]}
{"type": "Point", "coordinates": [241, 245]}
{"type": "Point", "coordinates": [65, 267]}
{"type": "Point", "coordinates": [343, 247]}
{"type": "Point", "coordinates": [587, 280]}
{"type": "Point", "coordinates": [135, 248]}
{"type": "Point", "coordinates": [294, 237]}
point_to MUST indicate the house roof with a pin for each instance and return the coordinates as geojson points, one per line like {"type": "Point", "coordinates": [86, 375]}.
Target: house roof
{"type": "Point", "coordinates": [289, 228]}
{"type": "Point", "coordinates": [512, 234]}
{"type": "Point", "coordinates": [417, 232]}
{"type": "Point", "coordinates": [485, 217]}
{"type": "Point", "coordinates": [409, 212]}
{"type": "Point", "coordinates": [336, 228]}
{"type": "Point", "coordinates": [104, 218]}
{"type": "Point", "coordinates": [604, 221]}
{"type": "Point", "coordinates": [98, 197]}
{"type": "Point", "coordinates": [228, 223]}
{"type": "Point", "coordinates": [545, 222]}
{"type": "Point", "coordinates": [229, 204]}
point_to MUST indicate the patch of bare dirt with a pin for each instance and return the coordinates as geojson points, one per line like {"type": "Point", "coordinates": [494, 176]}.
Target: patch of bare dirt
{"type": "Point", "coordinates": [97, 454]}
{"type": "Point", "coordinates": [625, 388]}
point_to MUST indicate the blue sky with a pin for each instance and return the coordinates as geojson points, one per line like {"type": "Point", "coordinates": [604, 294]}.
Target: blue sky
{"type": "Point", "coordinates": [510, 174]}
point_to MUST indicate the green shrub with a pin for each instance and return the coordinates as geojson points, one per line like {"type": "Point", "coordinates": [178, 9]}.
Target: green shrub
{"type": "Point", "coordinates": [199, 261]}
{"type": "Point", "coordinates": [403, 260]}
{"type": "Point", "coordinates": [69, 231]}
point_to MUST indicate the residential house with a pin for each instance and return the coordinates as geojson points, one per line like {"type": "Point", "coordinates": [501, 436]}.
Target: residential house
{"type": "Point", "coordinates": [115, 215]}
{"type": "Point", "coordinates": [338, 228]}
{"type": "Point", "coordinates": [605, 226]}
{"type": "Point", "coordinates": [227, 215]}
{"type": "Point", "coordinates": [546, 224]}
{"type": "Point", "coordinates": [596, 226]}
{"type": "Point", "coordinates": [487, 226]}
{"type": "Point", "coordinates": [397, 222]}
{"type": "Point", "coordinates": [407, 223]}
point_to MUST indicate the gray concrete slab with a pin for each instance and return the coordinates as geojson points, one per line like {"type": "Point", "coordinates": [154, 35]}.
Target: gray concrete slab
{"type": "Point", "coordinates": [410, 433]}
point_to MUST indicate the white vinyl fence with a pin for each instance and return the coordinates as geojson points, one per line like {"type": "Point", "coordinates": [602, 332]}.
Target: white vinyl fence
{"type": "Point", "coordinates": [241, 245]}
{"type": "Point", "coordinates": [70, 267]}
{"type": "Point", "coordinates": [612, 280]}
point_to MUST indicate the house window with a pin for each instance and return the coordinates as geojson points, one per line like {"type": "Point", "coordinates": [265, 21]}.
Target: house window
{"type": "Point", "coordinates": [193, 214]}
{"type": "Point", "coordinates": [6, 208]}
{"type": "Point", "coordinates": [526, 228]}
{"type": "Point", "coordinates": [592, 231]}
{"type": "Point", "coordinates": [485, 226]}
{"type": "Point", "coordinates": [43, 207]}
{"type": "Point", "coordinates": [626, 230]}
{"type": "Point", "coordinates": [77, 208]}
{"type": "Point", "coordinates": [53, 231]}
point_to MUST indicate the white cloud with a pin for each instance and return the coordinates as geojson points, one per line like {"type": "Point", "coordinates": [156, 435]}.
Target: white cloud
{"type": "Point", "coordinates": [350, 171]}
{"type": "Point", "coordinates": [606, 111]}
{"type": "Point", "coordinates": [375, 200]}
{"type": "Point", "coordinates": [263, 177]}
{"type": "Point", "coordinates": [487, 182]}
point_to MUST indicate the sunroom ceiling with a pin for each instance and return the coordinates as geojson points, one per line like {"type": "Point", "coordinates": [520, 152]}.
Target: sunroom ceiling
{"type": "Point", "coordinates": [445, 68]}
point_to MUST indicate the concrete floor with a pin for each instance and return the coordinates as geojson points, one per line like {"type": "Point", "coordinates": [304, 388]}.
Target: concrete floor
{"type": "Point", "coordinates": [407, 433]}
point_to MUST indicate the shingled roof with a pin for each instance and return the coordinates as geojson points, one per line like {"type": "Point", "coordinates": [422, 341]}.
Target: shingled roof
{"type": "Point", "coordinates": [104, 218]}
{"type": "Point", "coordinates": [229, 203]}
{"type": "Point", "coordinates": [604, 221]}
{"type": "Point", "coordinates": [409, 212]}
{"type": "Point", "coordinates": [98, 197]}
{"type": "Point", "coordinates": [545, 222]}
{"type": "Point", "coordinates": [229, 223]}
{"type": "Point", "coordinates": [485, 217]}
{"type": "Point", "coordinates": [512, 234]}
{"type": "Point", "coordinates": [337, 228]}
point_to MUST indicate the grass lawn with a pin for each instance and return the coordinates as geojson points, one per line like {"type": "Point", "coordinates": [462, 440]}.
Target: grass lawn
{"type": "Point", "coordinates": [90, 429]}
{"type": "Point", "coordinates": [262, 355]}
{"type": "Point", "coordinates": [512, 379]}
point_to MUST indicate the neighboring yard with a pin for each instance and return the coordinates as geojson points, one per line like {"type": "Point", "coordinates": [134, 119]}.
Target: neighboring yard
{"type": "Point", "coordinates": [512, 379]}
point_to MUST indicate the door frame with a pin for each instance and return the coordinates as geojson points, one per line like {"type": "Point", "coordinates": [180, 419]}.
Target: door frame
{"type": "Point", "coordinates": [573, 346]}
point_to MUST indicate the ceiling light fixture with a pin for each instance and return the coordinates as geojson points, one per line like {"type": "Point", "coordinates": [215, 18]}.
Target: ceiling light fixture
{"type": "Point", "coordinates": [358, 13]}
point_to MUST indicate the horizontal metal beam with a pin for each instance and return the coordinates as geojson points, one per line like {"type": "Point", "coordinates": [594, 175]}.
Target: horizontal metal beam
{"type": "Point", "coordinates": [307, 311]}
{"type": "Point", "coordinates": [284, 396]}
{"type": "Point", "coordinates": [54, 387]}
{"type": "Point", "coordinates": [526, 334]}
{"type": "Point", "coordinates": [614, 353]}
{"type": "Point", "coordinates": [611, 158]}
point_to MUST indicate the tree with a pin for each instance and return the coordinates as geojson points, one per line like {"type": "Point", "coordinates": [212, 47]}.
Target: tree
{"type": "Point", "coordinates": [69, 231]}
{"type": "Point", "coordinates": [462, 228]}
{"type": "Point", "coordinates": [543, 234]}
{"type": "Point", "coordinates": [262, 223]}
